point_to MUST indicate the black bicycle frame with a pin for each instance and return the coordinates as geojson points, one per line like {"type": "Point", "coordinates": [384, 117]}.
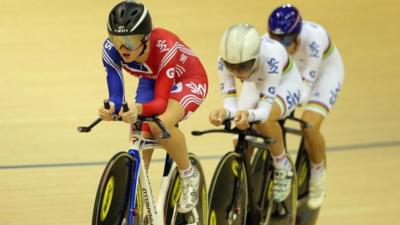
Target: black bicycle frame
{"type": "Point", "coordinates": [241, 148]}
{"type": "Point", "coordinates": [255, 211]}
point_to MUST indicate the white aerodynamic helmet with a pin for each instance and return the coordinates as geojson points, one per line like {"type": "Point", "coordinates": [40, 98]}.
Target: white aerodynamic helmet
{"type": "Point", "coordinates": [240, 43]}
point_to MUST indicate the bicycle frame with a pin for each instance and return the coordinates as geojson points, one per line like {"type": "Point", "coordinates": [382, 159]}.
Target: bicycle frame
{"type": "Point", "coordinates": [155, 212]}
{"type": "Point", "coordinates": [241, 148]}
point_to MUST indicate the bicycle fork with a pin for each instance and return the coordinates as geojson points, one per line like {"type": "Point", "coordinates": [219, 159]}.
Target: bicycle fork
{"type": "Point", "coordinates": [235, 207]}
{"type": "Point", "coordinates": [140, 173]}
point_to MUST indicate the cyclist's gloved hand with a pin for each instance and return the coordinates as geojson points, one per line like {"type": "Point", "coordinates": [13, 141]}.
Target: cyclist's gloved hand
{"type": "Point", "coordinates": [107, 114]}
{"type": "Point", "coordinates": [242, 119]}
{"type": "Point", "coordinates": [217, 116]}
{"type": "Point", "coordinates": [129, 116]}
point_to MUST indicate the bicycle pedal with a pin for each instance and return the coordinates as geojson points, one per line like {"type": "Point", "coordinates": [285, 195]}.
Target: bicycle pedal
{"type": "Point", "coordinates": [192, 217]}
{"type": "Point", "coordinates": [232, 216]}
{"type": "Point", "coordinates": [146, 219]}
{"type": "Point", "coordinates": [191, 221]}
{"type": "Point", "coordinates": [282, 212]}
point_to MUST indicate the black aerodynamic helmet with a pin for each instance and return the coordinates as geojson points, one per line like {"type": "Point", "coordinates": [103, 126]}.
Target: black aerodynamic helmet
{"type": "Point", "coordinates": [129, 18]}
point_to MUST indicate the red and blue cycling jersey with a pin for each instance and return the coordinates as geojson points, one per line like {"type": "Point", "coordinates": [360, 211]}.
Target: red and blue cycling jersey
{"type": "Point", "coordinates": [172, 71]}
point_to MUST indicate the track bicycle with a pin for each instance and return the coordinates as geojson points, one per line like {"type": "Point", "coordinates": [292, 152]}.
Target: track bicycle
{"type": "Point", "coordinates": [124, 195]}
{"type": "Point", "coordinates": [305, 215]}
{"type": "Point", "coordinates": [241, 187]}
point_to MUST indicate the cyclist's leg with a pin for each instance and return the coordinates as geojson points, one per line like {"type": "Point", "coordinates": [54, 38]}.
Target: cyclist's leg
{"type": "Point", "coordinates": [177, 149]}
{"type": "Point", "coordinates": [283, 169]}
{"type": "Point", "coordinates": [184, 100]}
{"type": "Point", "coordinates": [145, 93]}
{"type": "Point", "coordinates": [176, 145]}
{"type": "Point", "coordinates": [323, 96]}
{"type": "Point", "coordinates": [272, 129]}
{"type": "Point", "coordinates": [287, 98]}
{"type": "Point", "coordinates": [315, 145]}
{"type": "Point", "coordinates": [314, 140]}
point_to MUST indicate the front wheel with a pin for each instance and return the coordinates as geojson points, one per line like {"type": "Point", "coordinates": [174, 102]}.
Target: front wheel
{"type": "Point", "coordinates": [199, 214]}
{"type": "Point", "coordinates": [228, 193]}
{"type": "Point", "coordinates": [113, 194]}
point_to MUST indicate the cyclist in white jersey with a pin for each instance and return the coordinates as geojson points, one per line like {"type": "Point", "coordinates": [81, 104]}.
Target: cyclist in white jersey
{"type": "Point", "coordinates": [271, 86]}
{"type": "Point", "coordinates": [322, 71]}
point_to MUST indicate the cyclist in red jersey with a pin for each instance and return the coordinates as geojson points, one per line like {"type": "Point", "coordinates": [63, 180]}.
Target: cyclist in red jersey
{"type": "Point", "coordinates": [173, 83]}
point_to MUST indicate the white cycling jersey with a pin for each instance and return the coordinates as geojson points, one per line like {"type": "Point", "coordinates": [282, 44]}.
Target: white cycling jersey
{"type": "Point", "coordinates": [321, 68]}
{"type": "Point", "coordinates": [275, 79]}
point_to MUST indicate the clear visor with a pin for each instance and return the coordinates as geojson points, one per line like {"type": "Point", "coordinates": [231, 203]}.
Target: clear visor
{"type": "Point", "coordinates": [285, 39]}
{"type": "Point", "coordinates": [131, 42]}
{"type": "Point", "coordinates": [246, 66]}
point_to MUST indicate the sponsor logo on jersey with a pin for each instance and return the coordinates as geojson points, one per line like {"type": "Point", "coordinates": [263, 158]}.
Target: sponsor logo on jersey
{"type": "Point", "coordinates": [172, 52]}
{"type": "Point", "coordinates": [220, 65]}
{"type": "Point", "coordinates": [179, 70]}
{"type": "Point", "coordinates": [273, 65]}
{"type": "Point", "coordinates": [108, 45]}
{"type": "Point", "coordinates": [314, 49]}
{"type": "Point", "coordinates": [334, 94]}
{"type": "Point", "coordinates": [170, 73]}
{"type": "Point", "coordinates": [177, 88]}
{"type": "Point", "coordinates": [199, 89]}
{"type": "Point", "coordinates": [271, 90]}
{"type": "Point", "coordinates": [162, 45]}
{"type": "Point", "coordinates": [292, 99]}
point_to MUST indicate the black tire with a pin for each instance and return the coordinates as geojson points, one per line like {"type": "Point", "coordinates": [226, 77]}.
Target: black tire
{"type": "Point", "coordinates": [305, 215]}
{"type": "Point", "coordinates": [173, 194]}
{"type": "Point", "coordinates": [112, 199]}
{"type": "Point", "coordinates": [303, 174]}
{"type": "Point", "coordinates": [222, 189]}
{"type": "Point", "coordinates": [262, 171]}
